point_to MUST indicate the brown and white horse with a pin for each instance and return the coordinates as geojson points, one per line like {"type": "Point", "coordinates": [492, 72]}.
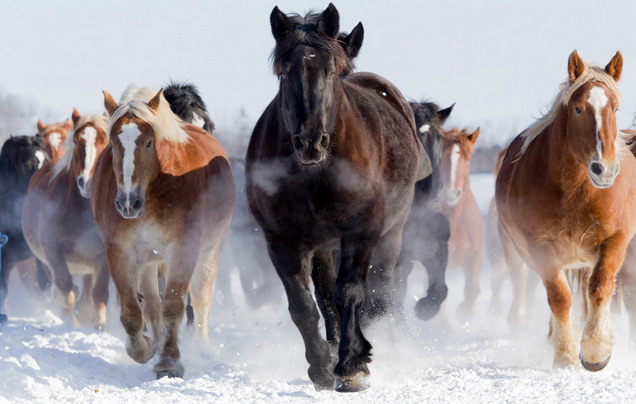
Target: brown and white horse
{"type": "Point", "coordinates": [54, 136]}
{"type": "Point", "coordinates": [58, 223]}
{"type": "Point", "coordinates": [466, 228]}
{"type": "Point", "coordinates": [566, 200]}
{"type": "Point", "coordinates": [163, 196]}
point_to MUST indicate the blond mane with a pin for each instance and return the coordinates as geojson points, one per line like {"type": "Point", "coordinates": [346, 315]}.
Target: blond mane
{"type": "Point", "coordinates": [165, 124]}
{"type": "Point", "coordinates": [590, 74]}
{"type": "Point", "coordinates": [64, 164]}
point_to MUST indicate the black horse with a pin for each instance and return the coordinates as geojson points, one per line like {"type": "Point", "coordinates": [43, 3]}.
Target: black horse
{"type": "Point", "coordinates": [427, 229]}
{"type": "Point", "coordinates": [185, 101]}
{"type": "Point", "coordinates": [331, 170]}
{"type": "Point", "coordinates": [20, 158]}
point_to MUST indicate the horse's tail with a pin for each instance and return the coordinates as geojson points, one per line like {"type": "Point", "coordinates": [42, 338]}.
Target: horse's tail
{"type": "Point", "coordinates": [185, 101]}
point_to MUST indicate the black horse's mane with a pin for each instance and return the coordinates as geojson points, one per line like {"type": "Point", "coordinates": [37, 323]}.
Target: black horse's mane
{"type": "Point", "coordinates": [184, 99]}
{"type": "Point", "coordinates": [305, 33]}
{"type": "Point", "coordinates": [17, 164]}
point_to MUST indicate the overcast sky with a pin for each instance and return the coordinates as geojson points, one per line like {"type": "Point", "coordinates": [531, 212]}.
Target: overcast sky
{"type": "Point", "coordinates": [500, 60]}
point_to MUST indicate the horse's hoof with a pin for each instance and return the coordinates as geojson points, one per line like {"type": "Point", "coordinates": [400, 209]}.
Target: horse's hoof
{"type": "Point", "coordinates": [321, 377]}
{"type": "Point", "coordinates": [3, 318]}
{"type": "Point", "coordinates": [169, 368]}
{"type": "Point", "coordinates": [137, 352]}
{"type": "Point", "coordinates": [426, 309]}
{"type": "Point", "coordinates": [594, 367]}
{"type": "Point", "coordinates": [352, 384]}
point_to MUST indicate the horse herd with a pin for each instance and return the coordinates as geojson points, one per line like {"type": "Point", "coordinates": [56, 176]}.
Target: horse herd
{"type": "Point", "coordinates": [340, 169]}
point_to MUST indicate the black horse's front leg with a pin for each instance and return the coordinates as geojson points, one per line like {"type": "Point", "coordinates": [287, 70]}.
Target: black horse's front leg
{"type": "Point", "coordinates": [303, 311]}
{"type": "Point", "coordinates": [352, 373]}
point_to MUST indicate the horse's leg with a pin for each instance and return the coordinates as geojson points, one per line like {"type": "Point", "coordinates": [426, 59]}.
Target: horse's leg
{"type": "Point", "coordinates": [324, 276]}
{"type": "Point", "coordinates": [100, 295]}
{"type": "Point", "coordinates": [85, 308]}
{"type": "Point", "coordinates": [179, 277]}
{"type": "Point", "coordinates": [140, 347]}
{"type": "Point", "coordinates": [151, 302]}
{"type": "Point", "coordinates": [6, 265]}
{"type": "Point", "coordinates": [518, 277]}
{"type": "Point", "coordinates": [352, 373]}
{"type": "Point", "coordinates": [597, 341]}
{"type": "Point", "coordinates": [43, 275]}
{"type": "Point", "coordinates": [472, 268]}
{"type": "Point", "coordinates": [560, 301]}
{"type": "Point", "coordinates": [303, 311]}
{"type": "Point", "coordinates": [65, 292]}
{"type": "Point", "coordinates": [380, 293]}
{"type": "Point", "coordinates": [434, 256]}
{"type": "Point", "coordinates": [202, 288]}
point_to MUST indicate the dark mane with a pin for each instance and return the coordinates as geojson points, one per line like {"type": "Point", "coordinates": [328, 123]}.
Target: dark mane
{"type": "Point", "coordinates": [184, 99]}
{"type": "Point", "coordinates": [305, 33]}
{"type": "Point", "coordinates": [17, 162]}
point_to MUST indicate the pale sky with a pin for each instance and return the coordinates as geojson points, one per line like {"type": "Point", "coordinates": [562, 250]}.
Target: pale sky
{"type": "Point", "coordinates": [501, 61]}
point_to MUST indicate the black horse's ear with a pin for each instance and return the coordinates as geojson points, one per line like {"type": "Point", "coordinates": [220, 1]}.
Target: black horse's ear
{"type": "Point", "coordinates": [329, 22]}
{"type": "Point", "coordinates": [444, 113]}
{"type": "Point", "coordinates": [281, 26]}
{"type": "Point", "coordinates": [354, 41]}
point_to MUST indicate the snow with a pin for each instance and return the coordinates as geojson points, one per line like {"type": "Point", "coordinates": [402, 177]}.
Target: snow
{"type": "Point", "coordinates": [258, 356]}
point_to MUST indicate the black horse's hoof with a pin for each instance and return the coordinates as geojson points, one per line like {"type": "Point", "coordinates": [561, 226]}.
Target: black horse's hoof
{"type": "Point", "coordinates": [3, 318]}
{"type": "Point", "coordinates": [321, 378]}
{"type": "Point", "coordinates": [426, 309]}
{"type": "Point", "coordinates": [169, 368]}
{"type": "Point", "coordinates": [594, 367]}
{"type": "Point", "coordinates": [172, 374]}
{"type": "Point", "coordinates": [352, 384]}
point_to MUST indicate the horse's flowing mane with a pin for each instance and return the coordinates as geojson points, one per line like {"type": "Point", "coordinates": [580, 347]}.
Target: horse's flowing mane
{"type": "Point", "coordinates": [304, 33]}
{"type": "Point", "coordinates": [164, 122]}
{"type": "Point", "coordinates": [64, 164]}
{"type": "Point", "coordinates": [590, 74]}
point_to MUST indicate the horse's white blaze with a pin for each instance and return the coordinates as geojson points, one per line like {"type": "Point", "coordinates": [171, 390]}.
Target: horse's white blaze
{"type": "Point", "coordinates": [89, 135]}
{"type": "Point", "coordinates": [39, 154]}
{"type": "Point", "coordinates": [55, 139]}
{"type": "Point", "coordinates": [197, 120]}
{"type": "Point", "coordinates": [128, 137]}
{"type": "Point", "coordinates": [425, 128]}
{"type": "Point", "coordinates": [598, 99]}
{"type": "Point", "coordinates": [455, 155]}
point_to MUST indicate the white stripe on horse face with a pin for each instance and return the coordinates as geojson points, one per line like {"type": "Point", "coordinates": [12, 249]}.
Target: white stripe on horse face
{"type": "Point", "coordinates": [425, 128]}
{"type": "Point", "coordinates": [39, 154]}
{"type": "Point", "coordinates": [89, 135]}
{"type": "Point", "coordinates": [54, 139]}
{"type": "Point", "coordinates": [128, 137]}
{"type": "Point", "coordinates": [598, 100]}
{"type": "Point", "coordinates": [197, 120]}
{"type": "Point", "coordinates": [455, 155]}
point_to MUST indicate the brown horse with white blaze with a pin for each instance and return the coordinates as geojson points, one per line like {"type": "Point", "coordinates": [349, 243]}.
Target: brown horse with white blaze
{"type": "Point", "coordinates": [59, 227]}
{"type": "Point", "coordinates": [162, 196]}
{"type": "Point", "coordinates": [566, 200]}
{"type": "Point", "coordinates": [54, 136]}
{"type": "Point", "coordinates": [466, 227]}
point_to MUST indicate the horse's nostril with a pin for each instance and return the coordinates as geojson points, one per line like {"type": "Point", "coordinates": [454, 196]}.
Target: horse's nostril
{"type": "Point", "coordinates": [118, 205]}
{"type": "Point", "coordinates": [596, 168]}
{"type": "Point", "coordinates": [297, 142]}
{"type": "Point", "coordinates": [137, 205]}
{"type": "Point", "coordinates": [324, 141]}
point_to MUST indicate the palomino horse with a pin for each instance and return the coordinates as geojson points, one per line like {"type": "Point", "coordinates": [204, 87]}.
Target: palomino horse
{"type": "Point", "coordinates": [20, 158]}
{"type": "Point", "coordinates": [331, 169]}
{"type": "Point", "coordinates": [58, 223]}
{"type": "Point", "coordinates": [466, 227]}
{"type": "Point", "coordinates": [427, 229]}
{"type": "Point", "coordinates": [162, 197]}
{"type": "Point", "coordinates": [566, 200]}
{"type": "Point", "coordinates": [522, 279]}
{"type": "Point", "coordinates": [54, 136]}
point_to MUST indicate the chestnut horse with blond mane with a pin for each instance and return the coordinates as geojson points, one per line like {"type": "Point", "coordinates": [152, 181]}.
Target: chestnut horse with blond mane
{"type": "Point", "coordinates": [54, 136]}
{"type": "Point", "coordinates": [162, 196]}
{"type": "Point", "coordinates": [59, 227]}
{"type": "Point", "coordinates": [566, 200]}
{"type": "Point", "coordinates": [466, 227]}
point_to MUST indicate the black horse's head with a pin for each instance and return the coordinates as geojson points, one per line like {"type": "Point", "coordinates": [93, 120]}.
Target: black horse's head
{"type": "Point", "coordinates": [20, 158]}
{"type": "Point", "coordinates": [309, 60]}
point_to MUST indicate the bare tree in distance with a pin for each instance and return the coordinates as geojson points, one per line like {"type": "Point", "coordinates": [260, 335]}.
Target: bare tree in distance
{"type": "Point", "coordinates": [18, 115]}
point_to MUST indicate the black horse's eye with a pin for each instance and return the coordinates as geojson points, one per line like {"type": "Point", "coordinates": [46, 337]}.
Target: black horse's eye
{"type": "Point", "coordinates": [577, 110]}
{"type": "Point", "coordinates": [149, 144]}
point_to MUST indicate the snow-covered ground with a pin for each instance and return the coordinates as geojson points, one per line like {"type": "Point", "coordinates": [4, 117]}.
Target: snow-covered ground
{"type": "Point", "coordinates": [258, 356]}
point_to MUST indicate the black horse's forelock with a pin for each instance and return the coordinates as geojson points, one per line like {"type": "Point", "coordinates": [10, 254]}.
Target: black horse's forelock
{"type": "Point", "coordinates": [305, 33]}
{"type": "Point", "coordinates": [425, 108]}
{"type": "Point", "coordinates": [184, 99]}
